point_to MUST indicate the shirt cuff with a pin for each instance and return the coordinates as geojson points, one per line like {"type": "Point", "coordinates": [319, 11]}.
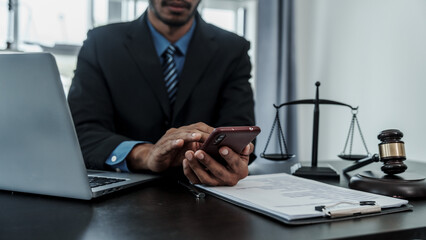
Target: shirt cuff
{"type": "Point", "coordinates": [117, 158]}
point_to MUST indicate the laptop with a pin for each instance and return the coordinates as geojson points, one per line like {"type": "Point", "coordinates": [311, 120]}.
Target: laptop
{"type": "Point", "coordinates": [39, 149]}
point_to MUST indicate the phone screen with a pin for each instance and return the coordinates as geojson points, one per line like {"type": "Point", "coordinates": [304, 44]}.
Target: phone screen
{"type": "Point", "coordinates": [236, 138]}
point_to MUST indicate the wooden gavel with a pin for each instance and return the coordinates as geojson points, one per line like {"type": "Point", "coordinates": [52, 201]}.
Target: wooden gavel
{"type": "Point", "coordinates": [391, 153]}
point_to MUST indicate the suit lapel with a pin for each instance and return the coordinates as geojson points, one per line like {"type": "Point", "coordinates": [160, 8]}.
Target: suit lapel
{"type": "Point", "coordinates": [140, 45]}
{"type": "Point", "coordinates": [200, 52]}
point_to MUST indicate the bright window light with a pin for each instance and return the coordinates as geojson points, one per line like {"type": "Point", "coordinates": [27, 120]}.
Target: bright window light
{"type": "Point", "coordinates": [100, 12]}
{"type": "Point", "coordinates": [3, 24]}
{"type": "Point", "coordinates": [141, 7]}
{"type": "Point", "coordinates": [53, 21]}
{"type": "Point", "coordinates": [222, 18]}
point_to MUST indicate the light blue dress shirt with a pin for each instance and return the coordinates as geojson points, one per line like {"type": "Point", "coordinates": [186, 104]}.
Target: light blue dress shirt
{"type": "Point", "coordinates": [117, 157]}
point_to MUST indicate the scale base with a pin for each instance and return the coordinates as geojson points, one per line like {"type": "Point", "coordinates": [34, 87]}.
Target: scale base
{"type": "Point", "coordinates": [317, 173]}
{"type": "Point", "coordinates": [405, 185]}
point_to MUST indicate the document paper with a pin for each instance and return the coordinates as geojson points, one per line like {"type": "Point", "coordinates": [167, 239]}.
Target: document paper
{"type": "Point", "coordinates": [290, 197]}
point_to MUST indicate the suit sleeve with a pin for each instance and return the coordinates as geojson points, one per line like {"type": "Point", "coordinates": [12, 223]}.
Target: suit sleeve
{"type": "Point", "coordinates": [236, 102]}
{"type": "Point", "coordinates": [92, 108]}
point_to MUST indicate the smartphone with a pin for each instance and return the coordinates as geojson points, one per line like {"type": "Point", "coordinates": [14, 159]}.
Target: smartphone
{"type": "Point", "coordinates": [236, 138]}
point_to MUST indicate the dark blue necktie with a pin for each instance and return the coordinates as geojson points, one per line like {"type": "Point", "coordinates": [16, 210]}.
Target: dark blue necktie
{"type": "Point", "coordinates": [170, 73]}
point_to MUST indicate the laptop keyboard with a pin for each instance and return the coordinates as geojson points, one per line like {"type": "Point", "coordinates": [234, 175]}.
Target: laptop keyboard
{"type": "Point", "coordinates": [101, 181]}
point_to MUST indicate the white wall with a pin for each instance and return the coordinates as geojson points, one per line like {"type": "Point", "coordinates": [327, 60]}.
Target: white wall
{"type": "Point", "coordinates": [365, 53]}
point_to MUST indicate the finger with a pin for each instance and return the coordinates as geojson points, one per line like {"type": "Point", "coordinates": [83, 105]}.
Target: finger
{"type": "Point", "coordinates": [194, 146]}
{"type": "Point", "coordinates": [195, 132]}
{"type": "Point", "coordinates": [232, 158]}
{"type": "Point", "coordinates": [237, 163]}
{"type": "Point", "coordinates": [169, 146]}
{"type": "Point", "coordinates": [248, 149]}
{"type": "Point", "coordinates": [176, 133]}
{"type": "Point", "coordinates": [187, 136]}
{"type": "Point", "coordinates": [218, 172]}
{"type": "Point", "coordinates": [203, 127]}
{"type": "Point", "coordinates": [200, 128]}
{"type": "Point", "coordinates": [189, 173]}
{"type": "Point", "coordinates": [200, 170]}
{"type": "Point", "coordinates": [204, 137]}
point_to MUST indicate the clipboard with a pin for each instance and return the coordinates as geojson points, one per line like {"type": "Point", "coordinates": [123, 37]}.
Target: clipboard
{"type": "Point", "coordinates": [241, 196]}
{"type": "Point", "coordinates": [384, 211]}
{"type": "Point", "coordinates": [313, 220]}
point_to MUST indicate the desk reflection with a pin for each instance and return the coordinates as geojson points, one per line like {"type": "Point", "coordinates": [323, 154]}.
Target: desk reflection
{"type": "Point", "coordinates": [40, 217]}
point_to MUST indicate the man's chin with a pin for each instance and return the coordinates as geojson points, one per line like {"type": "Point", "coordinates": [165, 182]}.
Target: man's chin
{"type": "Point", "coordinates": [176, 21]}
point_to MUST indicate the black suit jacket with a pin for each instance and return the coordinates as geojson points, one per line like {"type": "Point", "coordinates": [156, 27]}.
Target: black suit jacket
{"type": "Point", "coordinates": [118, 91]}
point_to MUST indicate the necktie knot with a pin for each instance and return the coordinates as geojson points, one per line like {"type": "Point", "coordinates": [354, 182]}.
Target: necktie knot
{"type": "Point", "coordinates": [170, 51]}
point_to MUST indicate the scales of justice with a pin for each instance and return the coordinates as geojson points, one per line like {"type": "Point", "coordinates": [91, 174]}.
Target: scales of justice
{"type": "Point", "coordinates": [392, 181]}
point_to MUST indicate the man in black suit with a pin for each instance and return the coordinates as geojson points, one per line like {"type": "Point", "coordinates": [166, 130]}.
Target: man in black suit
{"type": "Point", "coordinates": [127, 118]}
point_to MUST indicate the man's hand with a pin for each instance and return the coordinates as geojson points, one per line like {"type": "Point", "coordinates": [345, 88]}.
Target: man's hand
{"type": "Point", "coordinates": [199, 167]}
{"type": "Point", "coordinates": [169, 150]}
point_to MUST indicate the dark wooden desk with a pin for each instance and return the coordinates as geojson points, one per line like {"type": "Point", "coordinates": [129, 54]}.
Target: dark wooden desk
{"type": "Point", "coordinates": [165, 210]}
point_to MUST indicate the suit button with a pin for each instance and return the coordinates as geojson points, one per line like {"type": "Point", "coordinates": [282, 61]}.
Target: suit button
{"type": "Point", "coordinates": [166, 123]}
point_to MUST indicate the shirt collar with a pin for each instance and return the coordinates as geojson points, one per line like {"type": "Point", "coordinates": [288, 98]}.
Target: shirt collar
{"type": "Point", "coordinates": [161, 43]}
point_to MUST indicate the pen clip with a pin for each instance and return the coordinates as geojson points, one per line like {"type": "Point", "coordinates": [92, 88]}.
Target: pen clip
{"type": "Point", "coordinates": [192, 189]}
{"type": "Point", "coordinates": [364, 207]}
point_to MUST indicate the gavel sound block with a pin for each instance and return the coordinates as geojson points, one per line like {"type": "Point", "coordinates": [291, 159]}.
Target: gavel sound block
{"type": "Point", "coordinates": [393, 180]}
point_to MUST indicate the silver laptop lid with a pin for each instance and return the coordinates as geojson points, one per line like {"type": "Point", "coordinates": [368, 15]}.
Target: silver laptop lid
{"type": "Point", "coordinates": [39, 150]}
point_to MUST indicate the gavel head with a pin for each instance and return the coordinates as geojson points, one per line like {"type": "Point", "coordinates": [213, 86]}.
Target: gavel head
{"type": "Point", "coordinates": [392, 151]}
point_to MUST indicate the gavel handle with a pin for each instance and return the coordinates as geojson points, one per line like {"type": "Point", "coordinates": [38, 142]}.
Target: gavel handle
{"type": "Point", "coordinates": [362, 163]}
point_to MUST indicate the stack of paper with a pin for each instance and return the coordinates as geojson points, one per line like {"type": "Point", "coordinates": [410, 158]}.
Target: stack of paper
{"type": "Point", "coordinates": [288, 197]}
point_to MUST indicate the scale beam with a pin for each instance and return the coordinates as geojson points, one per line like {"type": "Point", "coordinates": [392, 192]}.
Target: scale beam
{"type": "Point", "coordinates": [313, 101]}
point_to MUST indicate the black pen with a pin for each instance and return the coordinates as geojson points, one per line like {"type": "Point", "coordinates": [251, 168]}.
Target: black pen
{"type": "Point", "coordinates": [193, 190]}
